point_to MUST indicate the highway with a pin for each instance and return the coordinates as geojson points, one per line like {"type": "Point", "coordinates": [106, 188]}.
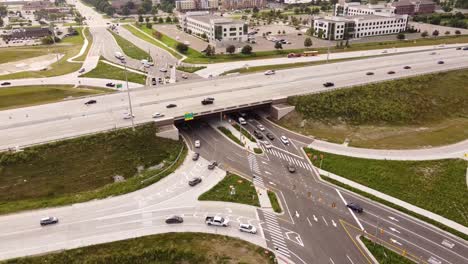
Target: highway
{"type": "Point", "coordinates": [70, 118]}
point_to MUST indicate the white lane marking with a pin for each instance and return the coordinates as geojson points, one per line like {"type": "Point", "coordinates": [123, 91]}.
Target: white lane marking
{"type": "Point", "coordinates": [309, 221]}
{"type": "Point", "coordinates": [287, 207]}
{"type": "Point", "coordinates": [264, 162]}
{"type": "Point", "coordinates": [267, 172]}
{"type": "Point", "coordinates": [393, 218]}
{"type": "Point", "coordinates": [394, 230]}
{"type": "Point", "coordinates": [315, 218]}
{"type": "Point", "coordinates": [297, 257]}
{"type": "Point", "coordinates": [433, 260]}
{"type": "Point", "coordinates": [333, 223]}
{"type": "Point", "coordinates": [349, 259]}
{"type": "Point", "coordinates": [349, 209]}
{"type": "Point", "coordinates": [394, 241]}
{"type": "Point", "coordinates": [325, 220]}
{"type": "Point", "coordinates": [272, 183]}
{"type": "Point", "coordinates": [297, 214]}
{"type": "Point", "coordinates": [331, 261]}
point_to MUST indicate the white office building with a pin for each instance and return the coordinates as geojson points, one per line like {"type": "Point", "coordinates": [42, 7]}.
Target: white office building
{"type": "Point", "coordinates": [356, 9]}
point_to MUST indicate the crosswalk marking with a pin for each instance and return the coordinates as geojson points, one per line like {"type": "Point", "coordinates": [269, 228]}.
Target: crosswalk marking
{"type": "Point", "coordinates": [276, 235]}
{"type": "Point", "coordinates": [290, 159]}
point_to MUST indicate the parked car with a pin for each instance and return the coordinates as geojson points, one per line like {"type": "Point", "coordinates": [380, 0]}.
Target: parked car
{"type": "Point", "coordinates": [153, 81]}
{"type": "Point", "coordinates": [175, 219]}
{"type": "Point", "coordinates": [267, 144]}
{"type": "Point", "coordinates": [212, 165]}
{"type": "Point", "coordinates": [355, 207]}
{"type": "Point", "coordinates": [184, 76]}
{"type": "Point", "coordinates": [197, 143]}
{"type": "Point", "coordinates": [248, 228]}
{"type": "Point", "coordinates": [440, 62]}
{"type": "Point", "coordinates": [81, 70]}
{"type": "Point", "coordinates": [407, 67]}
{"type": "Point", "coordinates": [216, 221]}
{"type": "Point", "coordinates": [270, 136]}
{"type": "Point", "coordinates": [433, 53]}
{"type": "Point", "coordinates": [328, 84]}
{"type": "Point", "coordinates": [242, 121]}
{"type": "Point", "coordinates": [391, 72]}
{"type": "Point", "coordinates": [285, 140]}
{"type": "Point", "coordinates": [207, 101]}
{"type": "Point", "coordinates": [163, 70]}
{"type": "Point", "coordinates": [291, 168]}
{"type": "Point", "coordinates": [157, 115]}
{"type": "Point", "coordinates": [369, 73]}
{"type": "Point", "coordinates": [49, 220]}
{"type": "Point", "coordinates": [6, 83]}
{"type": "Point", "coordinates": [270, 72]}
{"type": "Point", "coordinates": [258, 134]}
{"type": "Point", "coordinates": [261, 127]}
{"type": "Point", "coordinates": [194, 181]}
{"type": "Point", "coordinates": [110, 84]}
{"type": "Point", "coordinates": [90, 102]}
{"type": "Point", "coordinates": [195, 156]}
{"type": "Point", "coordinates": [171, 105]}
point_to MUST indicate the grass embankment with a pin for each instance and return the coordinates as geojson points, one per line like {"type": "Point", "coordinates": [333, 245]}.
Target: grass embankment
{"type": "Point", "coordinates": [106, 71]}
{"type": "Point", "coordinates": [428, 110]}
{"type": "Point", "coordinates": [21, 96]}
{"type": "Point", "coordinates": [190, 69]}
{"type": "Point", "coordinates": [274, 202]}
{"type": "Point", "coordinates": [151, 39]}
{"type": "Point", "coordinates": [383, 254]}
{"type": "Point", "coordinates": [69, 46]}
{"type": "Point", "coordinates": [82, 169]}
{"type": "Point", "coordinates": [438, 186]}
{"type": "Point", "coordinates": [162, 248]}
{"type": "Point", "coordinates": [244, 132]}
{"type": "Point", "coordinates": [244, 191]}
{"type": "Point", "coordinates": [89, 37]}
{"type": "Point", "coordinates": [229, 134]}
{"type": "Point", "coordinates": [129, 48]}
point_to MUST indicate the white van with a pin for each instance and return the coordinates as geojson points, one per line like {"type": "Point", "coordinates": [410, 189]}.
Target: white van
{"type": "Point", "coordinates": [119, 56]}
{"type": "Point", "coordinates": [242, 121]}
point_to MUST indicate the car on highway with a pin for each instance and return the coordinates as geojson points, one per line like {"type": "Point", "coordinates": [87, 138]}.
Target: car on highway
{"type": "Point", "coordinates": [242, 121]}
{"type": "Point", "coordinates": [90, 102]}
{"type": "Point", "coordinates": [184, 76]}
{"type": "Point", "coordinates": [248, 228]}
{"type": "Point", "coordinates": [171, 105]}
{"type": "Point", "coordinates": [369, 73]}
{"type": "Point", "coordinates": [465, 48]}
{"type": "Point", "coordinates": [261, 127]}
{"type": "Point", "coordinates": [163, 70]}
{"type": "Point", "coordinates": [207, 101]}
{"type": "Point", "coordinates": [328, 84]}
{"type": "Point", "coordinates": [195, 156]}
{"type": "Point", "coordinates": [110, 84]}
{"type": "Point", "coordinates": [270, 136]}
{"type": "Point", "coordinates": [270, 72]}
{"type": "Point", "coordinates": [197, 143]}
{"type": "Point", "coordinates": [267, 145]}
{"type": "Point", "coordinates": [81, 70]}
{"type": "Point", "coordinates": [285, 140]}
{"type": "Point", "coordinates": [48, 220]}
{"type": "Point", "coordinates": [212, 165]}
{"type": "Point", "coordinates": [291, 168]}
{"type": "Point", "coordinates": [160, 80]}
{"type": "Point", "coordinates": [6, 83]}
{"type": "Point", "coordinates": [355, 207]}
{"type": "Point", "coordinates": [440, 62]}
{"type": "Point", "coordinates": [458, 48]}
{"type": "Point", "coordinates": [407, 67]}
{"type": "Point", "coordinates": [194, 181]}
{"type": "Point", "coordinates": [128, 116]}
{"type": "Point", "coordinates": [433, 53]}
{"type": "Point", "coordinates": [153, 81]}
{"type": "Point", "coordinates": [175, 219]}
{"type": "Point", "coordinates": [258, 134]}
{"type": "Point", "coordinates": [391, 72]}
{"type": "Point", "coordinates": [157, 115]}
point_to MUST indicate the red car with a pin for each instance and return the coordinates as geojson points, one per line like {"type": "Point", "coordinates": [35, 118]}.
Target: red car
{"type": "Point", "coordinates": [294, 55]}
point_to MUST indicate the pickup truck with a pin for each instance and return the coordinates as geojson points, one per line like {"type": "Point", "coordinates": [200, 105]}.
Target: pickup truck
{"type": "Point", "coordinates": [216, 221]}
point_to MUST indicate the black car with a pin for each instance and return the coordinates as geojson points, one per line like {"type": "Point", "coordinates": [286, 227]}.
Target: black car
{"type": "Point", "coordinates": [391, 72]}
{"type": "Point", "coordinates": [171, 105]}
{"type": "Point", "coordinates": [110, 84]}
{"type": "Point", "coordinates": [355, 207]}
{"type": "Point", "coordinates": [194, 181]}
{"type": "Point", "coordinates": [459, 48]}
{"type": "Point", "coordinates": [175, 219]}
{"type": "Point", "coordinates": [270, 136]}
{"type": "Point", "coordinates": [465, 48]}
{"type": "Point", "coordinates": [90, 102]}
{"type": "Point", "coordinates": [207, 101]}
{"type": "Point", "coordinates": [369, 73]}
{"type": "Point", "coordinates": [6, 83]}
{"type": "Point", "coordinates": [195, 156]}
{"type": "Point", "coordinates": [258, 134]}
{"type": "Point", "coordinates": [407, 67]}
{"type": "Point", "coordinates": [212, 165]}
{"type": "Point", "coordinates": [440, 62]}
{"type": "Point", "coordinates": [49, 220]}
{"type": "Point", "coordinates": [153, 81]}
{"type": "Point", "coordinates": [328, 84]}
{"type": "Point", "coordinates": [291, 168]}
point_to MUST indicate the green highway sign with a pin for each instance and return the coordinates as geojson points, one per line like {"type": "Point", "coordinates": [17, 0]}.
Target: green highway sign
{"type": "Point", "coordinates": [119, 85]}
{"type": "Point", "coordinates": [188, 116]}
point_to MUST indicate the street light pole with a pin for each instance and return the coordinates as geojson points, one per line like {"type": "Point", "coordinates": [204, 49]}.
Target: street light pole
{"type": "Point", "coordinates": [128, 94]}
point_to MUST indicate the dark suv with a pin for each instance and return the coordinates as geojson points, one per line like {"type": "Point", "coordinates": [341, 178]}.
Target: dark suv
{"type": "Point", "coordinates": [207, 101]}
{"type": "Point", "coordinates": [328, 84]}
{"type": "Point", "coordinates": [194, 181]}
{"type": "Point", "coordinates": [258, 134]}
{"type": "Point", "coordinates": [212, 165]}
{"type": "Point", "coordinates": [355, 207]}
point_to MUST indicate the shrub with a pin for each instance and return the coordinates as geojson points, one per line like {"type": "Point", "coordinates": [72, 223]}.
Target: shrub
{"type": "Point", "coordinates": [247, 49]}
{"type": "Point", "coordinates": [230, 49]}
{"type": "Point", "coordinates": [182, 48]}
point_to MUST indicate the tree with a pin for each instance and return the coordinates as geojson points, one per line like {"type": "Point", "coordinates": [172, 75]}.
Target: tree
{"type": "Point", "coordinates": [147, 19]}
{"type": "Point", "coordinates": [175, 20]}
{"type": "Point", "coordinates": [160, 20]}
{"type": "Point", "coordinates": [307, 42]}
{"type": "Point", "coordinates": [155, 19]}
{"type": "Point", "coordinates": [447, 32]}
{"type": "Point", "coordinates": [157, 34]}
{"type": "Point", "coordinates": [140, 18]}
{"type": "Point", "coordinates": [278, 45]}
{"type": "Point", "coordinates": [140, 11]}
{"type": "Point", "coordinates": [204, 36]}
{"type": "Point", "coordinates": [3, 11]}
{"type": "Point", "coordinates": [168, 19]}
{"type": "Point", "coordinates": [209, 51]}
{"type": "Point", "coordinates": [230, 49]}
{"type": "Point", "coordinates": [149, 25]}
{"type": "Point", "coordinates": [457, 32]}
{"type": "Point", "coordinates": [182, 48]}
{"type": "Point", "coordinates": [401, 36]}
{"type": "Point", "coordinates": [284, 32]}
{"type": "Point", "coordinates": [435, 33]}
{"type": "Point", "coordinates": [147, 6]}
{"type": "Point", "coordinates": [125, 11]}
{"type": "Point", "coordinates": [247, 49]}
{"type": "Point", "coordinates": [255, 10]}
{"type": "Point", "coordinates": [1, 22]}
{"type": "Point", "coordinates": [130, 5]}
{"type": "Point", "coordinates": [424, 34]}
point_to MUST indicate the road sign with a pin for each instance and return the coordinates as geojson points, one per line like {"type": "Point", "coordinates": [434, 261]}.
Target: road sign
{"type": "Point", "coordinates": [188, 116]}
{"type": "Point", "coordinates": [119, 85]}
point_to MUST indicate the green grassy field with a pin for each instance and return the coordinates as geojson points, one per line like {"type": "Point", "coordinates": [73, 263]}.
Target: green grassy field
{"type": "Point", "coordinates": [274, 202]}
{"type": "Point", "coordinates": [89, 37]}
{"type": "Point", "coordinates": [106, 71]}
{"type": "Point", "coordinates": [383, 254]}
{"type": "Point", "coordinates": [82, 169]}
{"type": "Point", "coordinates": [21, 96]}
{"type": "Point", "coordinates": [229, 134]}
{"type": "Point", "coordinates": [190, 69]}
{"type": "Point", "coordinates": [428, 110]}
{"type": "Point", "coordinates": [129, 48]}
{"type": "Point", "coordinates": [70, 46]}
{"type": "Point", "coordinates": [188, 248]}
{"type": "Point", "coordinates": [438, 186]}
{"type": "Point", "coordinates": [245, 191]}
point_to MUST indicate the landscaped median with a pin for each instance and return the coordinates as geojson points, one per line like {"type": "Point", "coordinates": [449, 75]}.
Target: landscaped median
{"type": "Point", "coordinates": [129, 48]}
{"type": "Point", "coordinates": [229, 134]}
{"type": "Point", "coordinates": [384, 255]}
{"type": "Point", "coordinates": [274, 202]}
{"type": "Point", "coordinates": [106, 71]}
{"type": "Point", "coordinates": [244, 132]}
{"type": "Point", "coordinates": [190, 69]}
{"type": "Point", "coordinates": [162, 248]}
{"type": "Point", "coordinates": [86, 168]}
{"type": "Point", "coordinates": [438, 186]}
{"type": "Point", "coordinates": [244, 191]}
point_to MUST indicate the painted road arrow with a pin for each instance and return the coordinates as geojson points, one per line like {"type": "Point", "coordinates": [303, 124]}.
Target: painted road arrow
{"type": "Point", "coordinates": [394, 230]}
{"type": "Point", "coordinates": [393, 218]}
{"type": "Point", "coordinates": [333, 222]}
{"type": "Point", "coordinates": [394, 241]}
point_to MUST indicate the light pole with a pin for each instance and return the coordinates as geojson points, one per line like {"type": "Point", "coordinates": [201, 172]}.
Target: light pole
{"type": "Point", "coordinates": [128, 94]}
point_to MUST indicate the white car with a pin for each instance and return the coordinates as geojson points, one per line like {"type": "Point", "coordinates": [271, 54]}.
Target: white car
{"type": "Point", "coordinates": [163, 70]}
{"type": "Point", "coordinates": [285, 140]}
{"type": "Point", "coordinates": [270, 72]}
{"type": "Point", "coordinates": [267, 144]}
{"type": "Point", "coordinates": [184, 76]}
{"type": "Point", "coordinates": [197, 143]}
{"type": "Point", "coordinates": [248, 228]}
{"type": "Point", "coordinates": [242, 121]}
{"type": "Point", "coordinates": [261, 127]}
{"type": "Point", "coordinates": [128, 116]}
{"type": "Point", "coordinates": [157, 115]}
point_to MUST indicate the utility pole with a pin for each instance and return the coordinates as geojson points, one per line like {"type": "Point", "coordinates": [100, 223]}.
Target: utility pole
{"type": "Point", "coordinates": [128, 94]}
